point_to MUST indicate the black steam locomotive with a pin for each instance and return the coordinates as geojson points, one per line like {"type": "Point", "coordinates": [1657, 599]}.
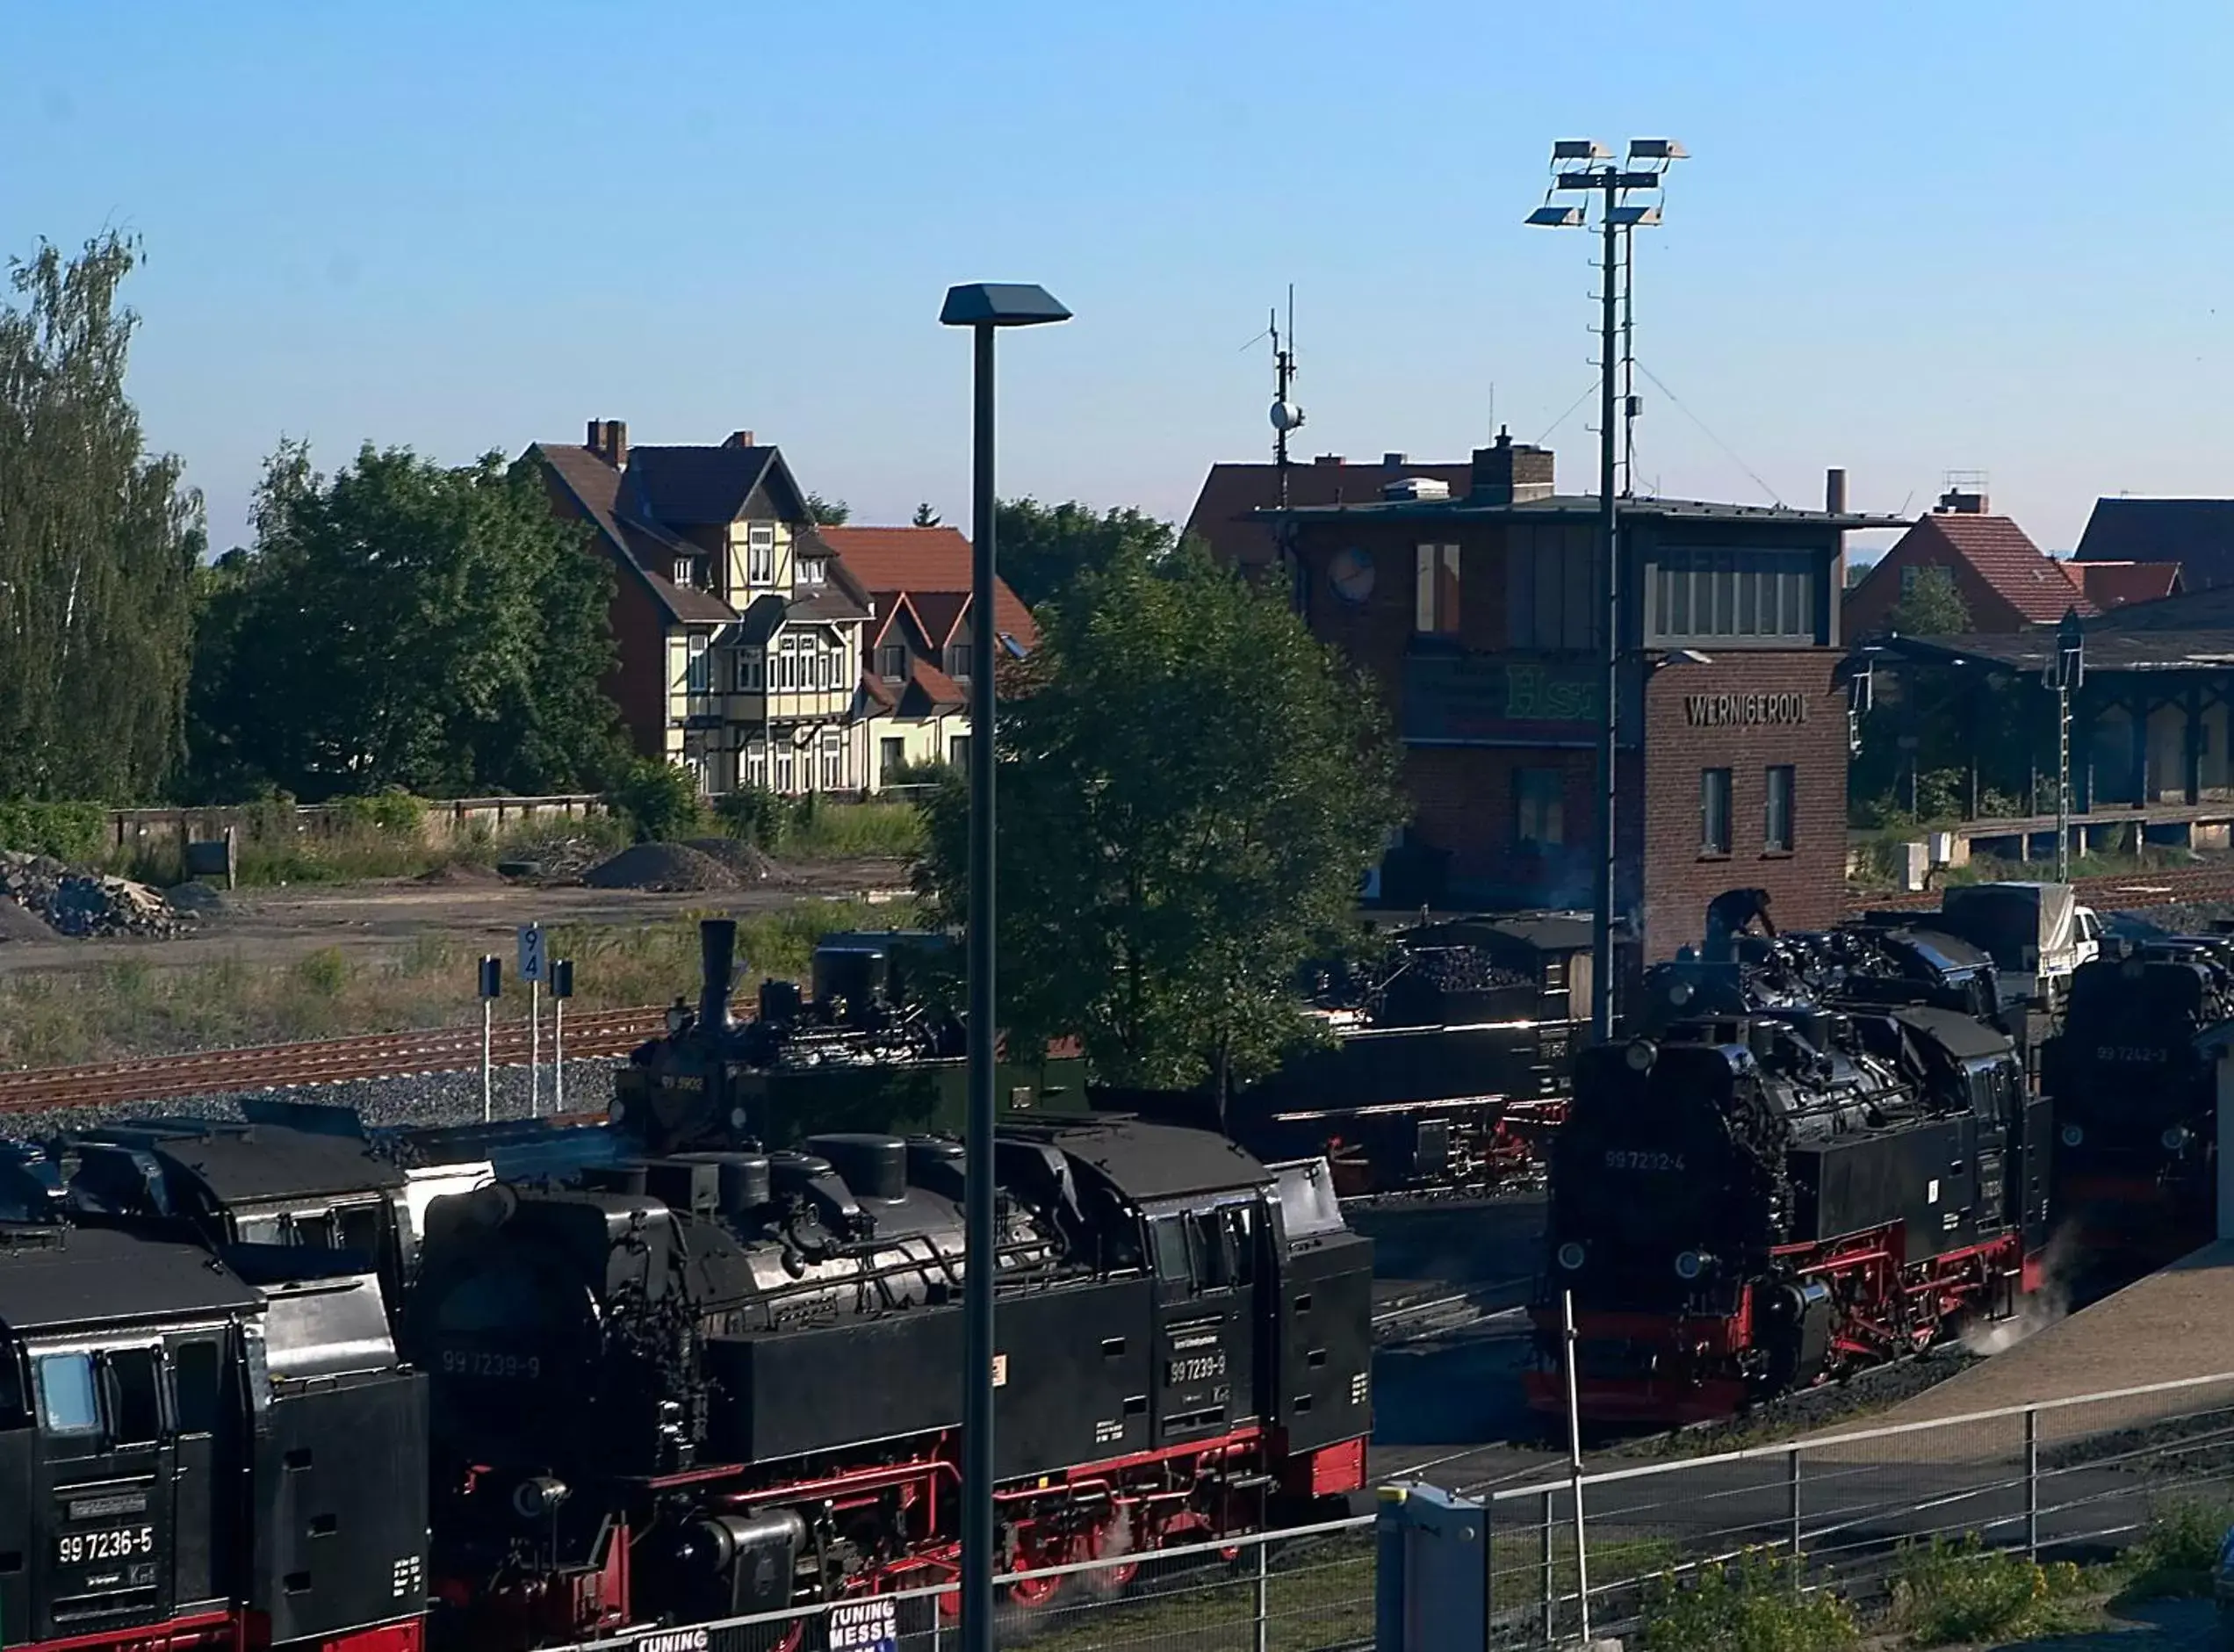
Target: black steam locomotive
{"type": "Point", "coordinates": [2134, 1075]}
{"type": "Point", "coordinates": [1825, 1156]}
{"type": "Point", "coordinates": [209, 1446]}
{"type": "Point", "coordinates": [723, 1381]}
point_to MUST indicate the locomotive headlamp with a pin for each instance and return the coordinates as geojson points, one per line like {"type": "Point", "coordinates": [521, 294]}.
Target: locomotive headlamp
{"type": "Point", "coordinates": [532, 1499]}
{"type": "Point", "coordinates": [2175, 1139]}
{"type": "Point", "coordinates": [2072, 1135]}
{"type": "Point", "coordinates": [738, 1119]}
{"type": "Point", "coordinates": [1639, 1056]}
{"type": "Point", "coordinates": [1689, 1266]}
{"type": "Point", "coordinates": [1570, 1256]}
{"type": "Point", "coordinates": [1679, 993]}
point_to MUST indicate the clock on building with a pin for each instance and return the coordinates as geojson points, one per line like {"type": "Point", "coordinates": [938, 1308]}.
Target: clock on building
{"type": "Point", "coordinates": [1351, 573]}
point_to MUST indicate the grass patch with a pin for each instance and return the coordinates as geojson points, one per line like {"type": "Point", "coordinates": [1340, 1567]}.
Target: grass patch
{"type": "Point", "coordinates": [1755, 1604]}
{"type": "Point", "coordinates": [372, 845]}
{"type": "Point", "coordinates": [1945, 1593]}
{"type": "Point", "coordinates": [136, 1006]}
{"type": "Point", "coordinates": [1316, 1594]}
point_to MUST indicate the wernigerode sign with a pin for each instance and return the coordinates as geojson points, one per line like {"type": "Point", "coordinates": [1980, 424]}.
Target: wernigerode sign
{"type": "Point", "coordinates": [1743, 711]}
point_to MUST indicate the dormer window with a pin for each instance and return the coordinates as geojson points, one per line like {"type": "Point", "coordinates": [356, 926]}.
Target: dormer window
{"type": "Point", "coordinates": [685, 572]}
{"type": "Point", "coordinates": [812, 569]}
{"type": "Point", "coordinates": [958, 661]}
{"type": "Point", "coordinates": [891, 661]}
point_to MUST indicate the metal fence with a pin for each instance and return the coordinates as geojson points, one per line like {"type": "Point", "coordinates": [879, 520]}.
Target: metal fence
{"type": "Point", "coordinates": [2064, 1478]}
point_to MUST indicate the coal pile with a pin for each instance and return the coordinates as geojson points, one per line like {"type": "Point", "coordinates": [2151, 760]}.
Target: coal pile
{"type": "Point", "coordinates": [741, 858]}
{"type": "Point", "coordinates": [662, 867]}
{"type": "Point", "coordinates": [78, 903]}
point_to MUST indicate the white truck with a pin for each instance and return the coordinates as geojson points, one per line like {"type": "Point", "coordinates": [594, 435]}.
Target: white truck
{"type": "Point", "coordinates": [2037, 933]}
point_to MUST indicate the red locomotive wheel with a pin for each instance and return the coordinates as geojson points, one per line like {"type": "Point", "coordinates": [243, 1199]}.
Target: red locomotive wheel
{"type": "Point", "coordinates": [1113, 1536]}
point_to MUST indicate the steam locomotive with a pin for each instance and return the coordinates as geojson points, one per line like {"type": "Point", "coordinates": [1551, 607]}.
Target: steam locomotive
{"type": "Point", "coordinates": [677, 1375]}
{"type": "Point", "coordinates": [2134, 1076]}
{"type": "Point", "coordinates": [201, 1445]}
{"type": "Point", "coordinates": [1809, 1177]}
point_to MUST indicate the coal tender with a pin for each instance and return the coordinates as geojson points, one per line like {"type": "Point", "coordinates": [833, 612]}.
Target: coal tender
{"type": "Point", "coordinates": [716, 1382]}
{"type": "Point", "coordinates": [1749, 1204]}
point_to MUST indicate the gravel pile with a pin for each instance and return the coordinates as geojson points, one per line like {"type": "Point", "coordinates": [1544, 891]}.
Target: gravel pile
{"type": "Point", "coordinates": [422, 1098]}
{"type": "Point", "coordinates": [74, 901]}
{"type": "Point", "coordinates": [555, 860]}
{"type": "Point", "coordinates": [742, 859]}
{"type": "Point", "coordinates": [662, 867]}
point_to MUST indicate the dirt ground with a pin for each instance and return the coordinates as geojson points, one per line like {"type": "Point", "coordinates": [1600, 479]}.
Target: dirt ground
{"type": "Point", "coordinates": [276, 925]}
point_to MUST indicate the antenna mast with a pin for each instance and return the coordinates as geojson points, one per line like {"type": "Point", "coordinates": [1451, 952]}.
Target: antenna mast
{"type": "Point", "coordinates": [1286, 415]}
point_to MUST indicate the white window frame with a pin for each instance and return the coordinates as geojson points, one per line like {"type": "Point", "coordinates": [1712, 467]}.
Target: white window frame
{"type": "Point", "coordinates": [697, 671]}
{"type": "Point", "coordinates": [760, 554]}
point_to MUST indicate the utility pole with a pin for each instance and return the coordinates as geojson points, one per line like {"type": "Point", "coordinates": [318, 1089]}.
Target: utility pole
{"type": "Point", "coordinates": [1599, 174]}
{"type": "Point", "coordinates": [2066, 669]}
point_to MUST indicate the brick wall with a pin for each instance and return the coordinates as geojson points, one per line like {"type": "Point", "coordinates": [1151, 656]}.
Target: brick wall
{"type": "Point", "coordinates": [1807, 885]}
{"type": "Point", "coordinates": [1464, 797]}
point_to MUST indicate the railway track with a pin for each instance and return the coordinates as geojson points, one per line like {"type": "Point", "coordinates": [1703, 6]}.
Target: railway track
{"type": "Point", "coordinates": [589, 1035]}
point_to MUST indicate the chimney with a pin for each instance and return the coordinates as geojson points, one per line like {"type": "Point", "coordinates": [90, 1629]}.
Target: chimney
{"type": "Point", "coordinates": [608, 440]}
{"type": "Point", "coordinates": [739, 438]}
{"type": "Point", "coordinates": [1395, 461]}
{"type": "Point", "coordinates": [1834, 492]}
{"type": "Point", "coordinates": [1957, 502]}
{"type": "Point", "coordinates": [1328, 459]}
{"type": "Point", "coordinates": [1511, 473]}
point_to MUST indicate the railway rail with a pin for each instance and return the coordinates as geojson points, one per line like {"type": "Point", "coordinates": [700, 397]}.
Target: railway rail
{"type": "Point", "coordinates": [590, 1035]}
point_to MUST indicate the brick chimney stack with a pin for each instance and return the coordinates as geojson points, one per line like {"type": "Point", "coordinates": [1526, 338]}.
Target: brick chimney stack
{"type": "Point", "coordinates": [1511, 473]}
{"type": "Point", "coordinates": [739, 438]}
{"type": "Point", "coordinates": [608, 440]}
{"type": "Point", "coordinates": [1962, 501]}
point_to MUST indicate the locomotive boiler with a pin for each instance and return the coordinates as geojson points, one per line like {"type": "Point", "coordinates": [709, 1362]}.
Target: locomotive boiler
{"type": "Point", "coordinates": [714, 1383]}
{"type": "Point", "coordinates": [1749, 1204]}
{"type": "Point", "coordinates": [2134, 1075]}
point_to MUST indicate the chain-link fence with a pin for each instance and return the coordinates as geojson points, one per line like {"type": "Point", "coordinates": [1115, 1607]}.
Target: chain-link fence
{"type": "Point", "coordinates": [2074, 1478]}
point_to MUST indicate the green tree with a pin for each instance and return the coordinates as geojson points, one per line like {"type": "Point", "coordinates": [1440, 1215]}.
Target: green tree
{"type": "Point", "coordinates": [98, 544]}
{"type": "Point", "coordinates": [925, 516]}
{"type": "Point", "coordinates": [827, 513]}
{"type": "Point", "coordinates": [1932, 606]}
{"type": "Point", "coordinates": [404, 624]}
{"type": "Point", "coordinates": [1045, 548]}
{"type": "Point", "coordinates": [1191, 789]}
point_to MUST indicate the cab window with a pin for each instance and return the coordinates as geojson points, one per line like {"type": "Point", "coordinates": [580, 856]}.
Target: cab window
{"type": "Point", "coordinates": [68, 1402]}
{"type": "Point", "coordinates": [135, 1410]}
{"type": "Point", "coordinates": [198, 1381]}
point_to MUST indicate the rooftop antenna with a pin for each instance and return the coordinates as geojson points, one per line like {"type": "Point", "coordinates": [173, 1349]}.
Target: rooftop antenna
{"type": "Point", "coordinates": [1286, 415]}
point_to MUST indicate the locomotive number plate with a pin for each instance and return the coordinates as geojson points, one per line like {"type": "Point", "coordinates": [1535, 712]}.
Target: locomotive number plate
{"type": "Point", "coordinates": [87, 1548]}
{"type": "Point", "coordinates": [477, 1362]}
{"type": "Point", "coordinates": [1636, 1159]}
{"type": "Point", "coordinates": [1201, 1367]}
{"type": "Point", "coordinates": [2133, 1054]}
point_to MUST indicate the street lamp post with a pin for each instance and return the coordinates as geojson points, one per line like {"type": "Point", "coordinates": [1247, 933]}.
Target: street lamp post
{"type": "Point", "coordinates": [1597, 173]}
{"type": "Point", "coordinates": [982, 307]}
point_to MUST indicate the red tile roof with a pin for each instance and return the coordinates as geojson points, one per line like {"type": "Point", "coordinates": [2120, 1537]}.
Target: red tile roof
{"type": "Point", "coordinates": [922, 563]}
{"type": "Point", "coordinates": [2004, 556]}
{"type": "Point", "coordinates": [2110, 585]}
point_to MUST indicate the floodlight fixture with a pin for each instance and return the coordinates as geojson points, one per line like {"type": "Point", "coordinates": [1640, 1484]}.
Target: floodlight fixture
{"type": "Point", "coordinates": [1000, 304]}
{"type": "Point", "coordinates": [1557, 218]}
{"type": "Point", "coordinates": [1631, 217]}
{"type": "Point", "coordinates": [1581, 149]}
{"type": "Point", "coordinates": [1657, 149]}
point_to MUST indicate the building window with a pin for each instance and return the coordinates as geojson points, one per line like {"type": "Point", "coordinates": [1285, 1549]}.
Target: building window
{"type": "Point", "coordinates": [958, 751]}
{"type": "Point", "coordinates": [786, 663]}
{"type": "Point", "coordinates": [1435, 591]}
{"type": "Point", "coordinates": [697, 678]}
{"type": "Point", "coordinates": [958, 661]}
{"type": "Point", "coordinates": [748, 670]}
{"type": "Point", "coordinates": [1766, 595]}
{"type": "Point", "coordinates": [891, 757]}
{"type": "Point", "coordinates": [1714, 811]}
{"type": "Point", "coordinates": [1776, 824]}
{"type": "Point", "coordinates": [1539, 798]}
{"type": "Point", "coordinates": [785, 770]}
{"type": "Point", "coordinates": [682, 571]}
{"type": "Point", "coordinates": [1908, 577]}
{"type": "Point", "coordinates": [834, 759]}
{"type": "Point", "coordinates": [756, 768]}
{"type": "Point", "coordinates": [760, 554]}
{"type": "Point", "coordinates": [812, 571]}
{"type": "Point", "coordinates": [891, 660]}
{"type": "Point", "coordinates": [1551, 589]}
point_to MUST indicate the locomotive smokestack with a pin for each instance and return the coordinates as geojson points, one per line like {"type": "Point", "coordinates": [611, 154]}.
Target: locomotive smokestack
{"type": "Point", "coordinates": [717, 955]}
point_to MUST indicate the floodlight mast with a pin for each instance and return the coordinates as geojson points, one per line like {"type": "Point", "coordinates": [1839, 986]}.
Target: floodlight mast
{"type": "Point", "coordinates": [1598, 173]}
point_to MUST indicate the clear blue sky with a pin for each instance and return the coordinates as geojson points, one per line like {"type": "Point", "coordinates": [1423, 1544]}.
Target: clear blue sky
{"type": "Point", "coordinates": [1912, 238]}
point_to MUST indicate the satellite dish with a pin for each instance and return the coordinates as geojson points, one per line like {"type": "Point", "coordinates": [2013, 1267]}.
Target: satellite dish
{"type": "Point", "coordinates": [1286, 417]}
{"type": "Point", "coordinates": [1351, 573]}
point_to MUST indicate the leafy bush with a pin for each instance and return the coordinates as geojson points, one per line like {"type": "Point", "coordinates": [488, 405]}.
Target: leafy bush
{"type": "Point", "coordinates": [1945, 1593]}
{"type": "Point", "coordinates": [1755, 1604]}
{"type": "Point", "coordinates": [394, 811]}
{"type": "Point", "coordinates": [2177, 1552]}
{"type": "Point", "coordinates": [752, 813]}
{"type": "Point", "coordinates": [67, 831]}
{"type": "Point", "coordinates": [661, 801]}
